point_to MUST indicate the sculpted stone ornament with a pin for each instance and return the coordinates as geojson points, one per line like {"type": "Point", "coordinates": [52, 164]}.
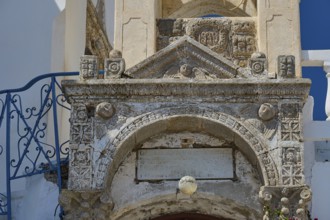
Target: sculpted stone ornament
{"type": "Point", "coordinates": [234, 40]}
{"type": "Point", "coordinates": [105, 110]}
{"type": "Point", "coordinates": [258, 63]}
{"type": "Point", "coordinates": [290, 125]}
{"type": "Point", "coordinates": [188, 185]}
{"type": "Point", "coordinates": [115, 65]}
{"type": "Point", "coordinates": [185, 70]}
{"type": "Point", "coordinates": [88, 67]}
{"type": "Point", "coordinates": [286, 66]}
{"type": "Point", "coordinates": [266, 112]}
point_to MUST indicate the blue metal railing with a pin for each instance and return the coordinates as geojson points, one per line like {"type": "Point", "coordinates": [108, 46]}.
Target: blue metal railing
{"type": "Point", "coordinates": [27, 150]}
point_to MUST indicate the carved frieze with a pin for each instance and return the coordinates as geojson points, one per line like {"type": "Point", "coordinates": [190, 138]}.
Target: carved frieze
{"type": "Point", "coordinates": [233, 39]}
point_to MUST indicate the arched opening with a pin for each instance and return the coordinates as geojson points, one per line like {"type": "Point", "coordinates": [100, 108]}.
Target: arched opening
{"type": "Point", "coordinates": [250, 143]}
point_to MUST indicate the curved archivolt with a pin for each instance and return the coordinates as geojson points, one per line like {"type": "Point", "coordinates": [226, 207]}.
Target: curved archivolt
{"type": "Point", "coordinates": [220, 208]}
{"type": "Point", "coordinates": [200, 8]}
{"type": "Point", "coordinates": [217, 124]}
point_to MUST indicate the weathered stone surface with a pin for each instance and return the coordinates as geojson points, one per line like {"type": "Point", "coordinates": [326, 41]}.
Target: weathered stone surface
{"type": "Point", "coordinates": [234, 39]}
{"type": "Point", "coordinates": [208, 87]}
{"type": "Point", "coordinates": [170, 164]}
{"type": "Point", "coordinates": [186, 58]}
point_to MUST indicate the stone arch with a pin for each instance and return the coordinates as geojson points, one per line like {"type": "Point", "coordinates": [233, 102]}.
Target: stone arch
{"type": "Point", "coordinates": [189, 118]}
{"type": "Point", "coordinates": [199, 8]}
{"type": "Point", "coordinates": [199, 203]}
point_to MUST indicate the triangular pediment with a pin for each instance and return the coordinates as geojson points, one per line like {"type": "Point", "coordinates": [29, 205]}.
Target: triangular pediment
{"type": "Point", "coordinates": [186, 58]}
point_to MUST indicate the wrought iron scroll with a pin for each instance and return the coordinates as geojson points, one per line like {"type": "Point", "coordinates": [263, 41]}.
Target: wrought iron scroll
{"type": "Point", "coordinates": [24, 144]}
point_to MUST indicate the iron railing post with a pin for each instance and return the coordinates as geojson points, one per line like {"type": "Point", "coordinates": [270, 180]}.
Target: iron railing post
{"type": "Point", "coordinates": [8, 102]}
{"type": "Point", "coordinates": [56, 136]}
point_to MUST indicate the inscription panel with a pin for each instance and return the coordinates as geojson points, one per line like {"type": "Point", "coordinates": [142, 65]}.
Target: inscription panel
{"type": "Point", "coordinates": [172, 164]}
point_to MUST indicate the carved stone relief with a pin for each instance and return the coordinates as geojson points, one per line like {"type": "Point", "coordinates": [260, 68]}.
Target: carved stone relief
{"type": "Point", "coordinates": [114, 65]}
{"type": "Point", "coordinates": [258, 63]}
{"type": "Point", "coordinates": [292, 170]}
{"type": "Point", "coordinates": [229, 121]}
{"type": "Point", "coordinates": [286, 66]}
{"type": "Point", "coordinates": [186, 58]}
{"type": "Point", "coordinates": [233, 39]}
{"type": "Point", "coordinates": [104, 110]}
{"type": "Point", "coordinates": [88, 67]}
{"type": "Point", "coordinates": [81, 137]}
{"type": "Point", "coordinates": [285, 202]}
{"type": "Point", "coordinates": [213, 33]}
{"type": "Point", "coordinates": [80, 173]}
{"type": "Point", "coordinates": [290, 123]}
{"type": "Point", "coordinates": [267, 122]}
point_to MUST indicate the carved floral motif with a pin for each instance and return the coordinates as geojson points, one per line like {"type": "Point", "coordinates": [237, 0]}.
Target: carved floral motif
{"type": "Point", "coordinates": [258, 63]}
{"type": "Point", "coordinates": [114, 65]}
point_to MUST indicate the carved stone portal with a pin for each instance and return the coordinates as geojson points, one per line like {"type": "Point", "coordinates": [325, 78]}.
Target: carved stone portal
{"type": "Point", "coordinates": [210, 85]}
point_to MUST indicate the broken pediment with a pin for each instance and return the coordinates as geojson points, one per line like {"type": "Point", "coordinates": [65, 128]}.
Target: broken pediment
{"type": "Point", "coordinates": [184, 59]}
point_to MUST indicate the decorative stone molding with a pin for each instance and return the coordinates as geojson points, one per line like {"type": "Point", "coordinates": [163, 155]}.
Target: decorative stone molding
{"type": "Point", "coordinates": [257, 145]}
{"type": "Point", "coordinates": [202, 62]}
{"type": "Point", "coordinates": [240, 90]}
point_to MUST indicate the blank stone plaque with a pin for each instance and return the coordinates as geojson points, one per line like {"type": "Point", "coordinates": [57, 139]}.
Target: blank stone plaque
{"type": "Point", "coordinates": [172, 164]}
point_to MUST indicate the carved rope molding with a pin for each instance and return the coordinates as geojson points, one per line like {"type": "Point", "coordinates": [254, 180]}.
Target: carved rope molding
{"type": "Point", "coordinates": [258, 145]}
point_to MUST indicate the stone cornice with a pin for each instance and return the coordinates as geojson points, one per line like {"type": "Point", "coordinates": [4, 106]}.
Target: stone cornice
{"type": "Point", "coordinates": [229, 90]}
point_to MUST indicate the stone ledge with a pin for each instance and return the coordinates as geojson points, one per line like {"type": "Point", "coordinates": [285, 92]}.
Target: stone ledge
{"type": "Point", "coordinates": [215, 90]}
